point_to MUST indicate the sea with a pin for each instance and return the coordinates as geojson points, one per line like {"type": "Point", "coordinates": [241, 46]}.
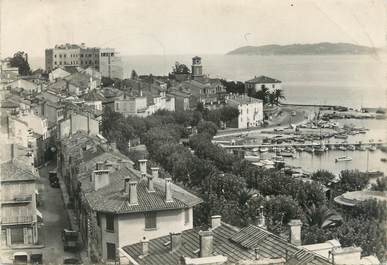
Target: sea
{"type": "Point", "coordinates": [353, 81]}
{"type": "Point", "coordinates": [348, 80]}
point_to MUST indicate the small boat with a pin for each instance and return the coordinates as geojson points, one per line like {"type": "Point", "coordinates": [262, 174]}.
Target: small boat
{"type": "Point", "coordinates": [264, 149]}
{"type": "Point", "coordinates": [277, 158]}
{"type": "Point", "coordinates": [255, 149]}
{"type": "Point", "coordinates": [351, 148]}
{"type": "Point", "coordinates": [375, 173]}
{"type": "Point", "coordinates": [361, 148]}
{"type": "Point", "coordinates": [383, 159]}
{"type": "Point", "coordinates": [299, 149]}
{"type": "Point", "coordinates": [341, 136]}
{"type": "Point", "coordinates": [342, 148]}
{"type": "Point", "coordinates": [372, 148]}
{"type": "Point", "coordinates": [286, 154]}
{"type": "Point", "coordinates": [309, 149]}
{"type": "Point", "coordinates": [252, 158]}
{"type": "Point", "coordinates": [343, 159]}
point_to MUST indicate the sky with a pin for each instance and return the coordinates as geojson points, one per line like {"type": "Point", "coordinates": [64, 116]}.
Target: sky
{"type": "Point", "coordinates": [187, 27]}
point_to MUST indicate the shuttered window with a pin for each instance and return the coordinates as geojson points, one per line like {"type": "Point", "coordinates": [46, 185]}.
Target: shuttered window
{"type": "Point", "coordinates": [17, 236]}
{"type": "Point", "coordinates": [150, 220]}
{"type": "Point", "coordinates": [186, 216]}
{"type": "Point", "coordinates": [111, 251]}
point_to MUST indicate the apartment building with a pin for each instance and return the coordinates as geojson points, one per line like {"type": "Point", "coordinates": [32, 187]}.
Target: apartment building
{"type": "Point", "coordinates": [104, 60]}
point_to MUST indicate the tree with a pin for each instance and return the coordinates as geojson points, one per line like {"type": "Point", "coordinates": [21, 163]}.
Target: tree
{"type": "Point", "coordinates": [228, 113]}
{"type": "Point", "coordinates": [20, 61]}
{"type": "Point", "coordinates": [322, 217]}
{"type": "Point", "coordinates": [350, 180]}
{"type": "Point", "coordinates": [207, 127]}
{"type": "Point", "coordinates": [263, 95]}
{"type": "Point", "coordinates": [323, 176]}
{"type": "Point", "coordinates": [180, 69]}
{"type": "Point", "coordinates": [278, 95]}
{"type": "Point", "coordinates": [380, 185]}
{"type": "Point", "coordinates": [133, 75]}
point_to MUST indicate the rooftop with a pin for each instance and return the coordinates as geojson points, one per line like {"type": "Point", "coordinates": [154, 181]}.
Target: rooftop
{"type": "Point", "coordinates": [242, 99]}
{"type": "Point", "coordinates": [234, 243]}
{"type": "Point", "coordinates": [112, 199]}
{"type": "Point", "coordinates": [263, 80]}
{"type": "Point", "coordinates": [16, 171]}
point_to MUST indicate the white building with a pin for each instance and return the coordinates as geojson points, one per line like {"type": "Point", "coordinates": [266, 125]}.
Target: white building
{"type": "Point", "coordinates": [136, 205]}
{"type": "Point", "coordinates": [110, 64]}
{"type": "Point", "coordinates": [250, 110]}
{"type": "Point", "coordinates": [257, 83]}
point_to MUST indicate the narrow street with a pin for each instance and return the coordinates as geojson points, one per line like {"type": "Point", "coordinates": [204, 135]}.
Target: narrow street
{"type": "Point", "coordinates": [54, 218]}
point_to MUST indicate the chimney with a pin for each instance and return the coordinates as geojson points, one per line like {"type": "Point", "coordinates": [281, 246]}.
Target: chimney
{"type": "Point", "coordinates": [175, 239]}
{"type": "Point", "coordinates": [144, 247]}
{"type": "Point", "coordinates": [126, 185]}
{"type": "Point", "coordinates": [150, 184]}
{"type": "Point", "coordinates": [133, 192]}
{"type": "Point", "coordinates": [295, 231]}
{"type": "Point", "coordinates": [261, 222]}
{"type": "Point", "coordinates": [168, 190]}
{"type": "Point", "coordinates": [143, 175]}
{"type": "Point", "coordinates": [206, 243]}
{"type": "Point", "coordinates": [142, 163]}
{"type": "Point", "coordinates": [99, 165]}
{"type": "Point", "coordinates": [100, 178]}
{"type": "Point", "coordinates": [216, 220]}
{"type": "Point", "coordinates": [155, 172]}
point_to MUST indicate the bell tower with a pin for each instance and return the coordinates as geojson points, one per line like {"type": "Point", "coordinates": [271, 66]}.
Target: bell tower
{"type": "Point", "coordinates": [197, 69]}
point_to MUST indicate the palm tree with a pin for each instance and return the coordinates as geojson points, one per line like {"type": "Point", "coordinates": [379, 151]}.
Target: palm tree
{"type": "Point", "coordinates": [272, 98]}
{"type": "Point", "coordinates": [278, 94]}
{"type": "Point", "coordinates": [322, 217]}
{"type": "Point", "coordinates": [263, 94]}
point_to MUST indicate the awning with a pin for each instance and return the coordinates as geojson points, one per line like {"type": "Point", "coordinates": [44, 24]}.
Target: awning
{"type": "Point", "coordinates": [39, 214]}
{"type": "Point", "coordinates": [20, 254]}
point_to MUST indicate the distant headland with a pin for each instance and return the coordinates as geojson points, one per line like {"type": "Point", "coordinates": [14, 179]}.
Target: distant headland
{"type": "Point", "coordinates": [323, 48]}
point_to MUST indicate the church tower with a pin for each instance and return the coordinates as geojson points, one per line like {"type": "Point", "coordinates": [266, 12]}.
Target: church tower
{"type": "Point", "coordinates": [197, 69]}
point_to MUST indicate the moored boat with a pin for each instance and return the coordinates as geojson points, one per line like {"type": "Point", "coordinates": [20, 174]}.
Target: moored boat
{"type": "Point", "coordinates": [342, 148]}
{"type": "Point", "coordinates": [351, 148]}
{"type": "Point", "coordinates": [263, 149]}
{"type": "Point", "coordinates": [343, 159]}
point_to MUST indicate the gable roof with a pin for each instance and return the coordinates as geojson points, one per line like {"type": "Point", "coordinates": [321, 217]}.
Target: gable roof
{"type": "Point", "coordinates": [112, 199]}
{"type": "Point", "coordinates": [234, 243]}
{"type": "Point", "coordinates": [263, 80]}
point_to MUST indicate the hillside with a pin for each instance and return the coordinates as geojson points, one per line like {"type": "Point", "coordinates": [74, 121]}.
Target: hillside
{"type": "Point", "coordinates": [323, 48]}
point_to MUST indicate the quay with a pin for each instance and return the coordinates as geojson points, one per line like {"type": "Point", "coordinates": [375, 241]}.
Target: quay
{"type": "Point", "coordinates": [248, 146]}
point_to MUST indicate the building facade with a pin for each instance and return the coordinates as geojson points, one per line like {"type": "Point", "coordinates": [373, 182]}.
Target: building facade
{"type": "Point", "coordinates": [110, 64]}
{"type": "Point", "coordinates": [250, 110]}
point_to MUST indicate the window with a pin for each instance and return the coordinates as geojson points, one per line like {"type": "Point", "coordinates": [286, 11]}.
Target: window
{"type": "Point", "coordinates": [54, 55]}
{"type": "Point", "coordinates": [186, 216]}
{"type": "Point", "coordinates": [17, 236]}
{"type": "Point", "coordinates": [98, 216]}
{"type": "Point", "coordinates": [111, 251]}
{"type": "Point", "coordinates": [60, 55]}
{"type": "Point", "coordinates": [109, 223]}
{"type": "Point", "coordinates": [150, 220]}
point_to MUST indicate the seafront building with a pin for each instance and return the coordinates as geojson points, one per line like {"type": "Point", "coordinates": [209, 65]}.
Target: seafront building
{"type": "Point", "coordinates": [259, 82]}
{"type": "Point", "coordinates": [250, 111]}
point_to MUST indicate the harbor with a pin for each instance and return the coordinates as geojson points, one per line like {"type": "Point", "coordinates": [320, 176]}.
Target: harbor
{"type": "Point", "coordinates": [318, 142]}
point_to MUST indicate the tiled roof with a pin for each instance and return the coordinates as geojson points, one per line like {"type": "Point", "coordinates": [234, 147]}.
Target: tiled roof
{"type": "Point", "coordinates": [80, 80]}
{"type": "Point", "coordinates": [234, 243]}
{"type": "Point", "coordinates": [16, 171]}
{"type": "Point", "coordinates": [94, 96]}
{"type": "Point", "coordinates": [263, 80]}
{"type": "Point", "coordinates": [112, 199]}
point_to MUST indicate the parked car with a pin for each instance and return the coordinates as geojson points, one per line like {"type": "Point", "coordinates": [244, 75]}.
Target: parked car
{"type": "Point", "coordinates": [53, 178]}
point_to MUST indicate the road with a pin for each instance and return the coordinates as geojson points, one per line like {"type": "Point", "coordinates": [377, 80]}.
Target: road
{"type": "Point", "coordinates": [54, 218]}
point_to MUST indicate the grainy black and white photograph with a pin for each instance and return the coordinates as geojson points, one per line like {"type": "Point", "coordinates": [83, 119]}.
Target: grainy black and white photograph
{"type": "Point", "coordinates": [206, 132]}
